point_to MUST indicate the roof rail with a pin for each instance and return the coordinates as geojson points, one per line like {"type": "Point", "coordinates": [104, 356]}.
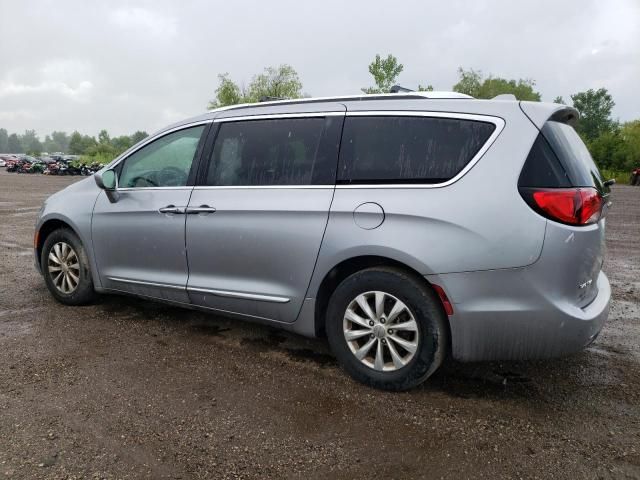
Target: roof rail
{"type": "Point", "coordinates": [399, 88]}
{"type": "Point", "coordinates": [267, 98]}
{"type": "Point", "coordinates": [358, 97]}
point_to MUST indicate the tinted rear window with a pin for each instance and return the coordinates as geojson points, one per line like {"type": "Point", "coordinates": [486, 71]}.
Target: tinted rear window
{"type": "Point", "coordinates": [271, 152]}
{"type": "Point", "coordinates": [573, 154]}
{"type": "Point", "coordinates": [543, 168]}
{"type": "Point", "coordinates": [408, 149]}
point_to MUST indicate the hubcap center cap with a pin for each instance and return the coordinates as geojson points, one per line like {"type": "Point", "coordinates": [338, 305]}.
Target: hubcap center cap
{"type": "Point", "coordinates": [379, 331]}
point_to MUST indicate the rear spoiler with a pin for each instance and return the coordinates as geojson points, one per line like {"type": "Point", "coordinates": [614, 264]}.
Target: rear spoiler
{"type": "Point", "coordinates": [539, 113]}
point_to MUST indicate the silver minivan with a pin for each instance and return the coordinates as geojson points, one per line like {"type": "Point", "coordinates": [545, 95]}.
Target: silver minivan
{"type": "Point", "coordinates": [404, 227]}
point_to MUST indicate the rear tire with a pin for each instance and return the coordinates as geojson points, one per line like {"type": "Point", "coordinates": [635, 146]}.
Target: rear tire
{"type": "Point", "coordinates": [65, 267]}
{"type": "Point", "coordinates": [408, 354]}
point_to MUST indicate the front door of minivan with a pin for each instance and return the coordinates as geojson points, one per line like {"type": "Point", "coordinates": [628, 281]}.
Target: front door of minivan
{"type": "Point", "coordinates": [257, 217]}
{"type": "Point", "coordinates": [138, 239]}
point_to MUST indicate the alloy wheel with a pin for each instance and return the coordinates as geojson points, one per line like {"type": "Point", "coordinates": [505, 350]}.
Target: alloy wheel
{"type": "Point", "coordinates": [381, 331]}
{"type": "Point", "coordinates": [64, 267]}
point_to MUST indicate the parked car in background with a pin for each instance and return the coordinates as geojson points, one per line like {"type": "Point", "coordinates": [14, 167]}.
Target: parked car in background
{"type": "Point", "coordinates": [4, 158]}
{"type": "Point", "coordinates": [405, 227]}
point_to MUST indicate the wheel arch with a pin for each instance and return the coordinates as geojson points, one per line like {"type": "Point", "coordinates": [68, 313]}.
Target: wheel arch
{"type": "Point", "coordinates": [49, 226]}
{"type": "Point", "coordinates": [348, 267]}
{"type": "Point", "coordinates": [52, 222]}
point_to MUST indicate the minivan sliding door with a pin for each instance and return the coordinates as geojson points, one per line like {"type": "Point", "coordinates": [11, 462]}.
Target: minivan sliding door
{"type": "Point", "coordinates": [255, 222]}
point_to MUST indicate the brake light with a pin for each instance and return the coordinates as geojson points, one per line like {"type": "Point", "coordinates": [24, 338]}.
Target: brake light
{"type": "Point", "coordinates": [573, 206]}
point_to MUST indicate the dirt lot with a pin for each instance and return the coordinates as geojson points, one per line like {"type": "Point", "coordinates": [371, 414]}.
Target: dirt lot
{"type": "Point", "coordinates": [132, 389]}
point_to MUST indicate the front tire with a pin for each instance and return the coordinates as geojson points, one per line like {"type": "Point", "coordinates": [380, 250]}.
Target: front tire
{"type": "Point", "coordinates": [65, 267]}
{"type": "Point", "coordinates": [387, 329]}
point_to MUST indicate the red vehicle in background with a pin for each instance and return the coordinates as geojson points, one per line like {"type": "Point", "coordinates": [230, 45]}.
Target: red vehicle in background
{"type": "Point", "coordinates": [7, 159]}
{"type": "Point", "coordinates": [635, 177]}
{"type": "Point", "coordinates": [10, 162]}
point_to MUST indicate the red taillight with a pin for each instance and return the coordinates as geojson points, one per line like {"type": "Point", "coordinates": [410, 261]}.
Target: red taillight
{"type": "Point", "coordinates": [573, 206]}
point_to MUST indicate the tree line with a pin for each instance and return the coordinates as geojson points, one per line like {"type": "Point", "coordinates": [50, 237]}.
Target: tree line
{"type": "Point", "coordinates": [615, 146]}
{"type": "Point", "coordinates": [100, 148]}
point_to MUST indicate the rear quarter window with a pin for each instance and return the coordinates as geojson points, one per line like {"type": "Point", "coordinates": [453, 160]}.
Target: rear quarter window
{"type": "Point", "coordinates": [406, 149]}
{"type": "Point", "coordinates": [573, 155]}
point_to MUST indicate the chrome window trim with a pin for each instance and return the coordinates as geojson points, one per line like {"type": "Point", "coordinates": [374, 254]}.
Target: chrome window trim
{"type": "Point", "coordinates": [149, 140]}
{"type": "Point", "coordinates": [328, 186]}
{"type": "Point", "coordinates": [138, 189]}
{"type": "Point", "coordinates": [272, 116]}
{"type": "Point", "coordinates": [497, 121]}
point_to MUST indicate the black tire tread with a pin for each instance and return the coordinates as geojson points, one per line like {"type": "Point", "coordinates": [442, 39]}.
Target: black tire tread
{"type": "Point", "coordinates": [85, 293]}
{"type": "Point", "coordinates": [429, 356]}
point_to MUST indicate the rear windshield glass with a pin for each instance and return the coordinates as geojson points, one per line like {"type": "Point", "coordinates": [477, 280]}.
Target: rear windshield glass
{"type": "Point", "coordinates": [573, 154]}
{"type": "Point", "coordinates": [396, 149]}
{"type": "Point", "coordinates": [542, 168]}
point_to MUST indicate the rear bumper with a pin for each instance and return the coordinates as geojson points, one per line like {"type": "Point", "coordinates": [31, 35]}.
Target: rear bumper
{"type": "Point", "coordinates": [509, 315]}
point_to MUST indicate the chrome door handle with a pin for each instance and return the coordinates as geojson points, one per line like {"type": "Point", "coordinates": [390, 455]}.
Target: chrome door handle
{"type": "Point", "coordinates": [200, 209]}
{"type": "Point", "coordinates": [171, 209]}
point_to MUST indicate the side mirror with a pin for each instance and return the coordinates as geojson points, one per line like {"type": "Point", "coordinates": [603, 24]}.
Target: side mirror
{"type": "Point", "coordinates": [107, 180]}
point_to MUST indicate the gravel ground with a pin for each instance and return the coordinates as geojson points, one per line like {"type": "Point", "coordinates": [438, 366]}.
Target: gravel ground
{"type": "Point", "coordinates": [131, 389]}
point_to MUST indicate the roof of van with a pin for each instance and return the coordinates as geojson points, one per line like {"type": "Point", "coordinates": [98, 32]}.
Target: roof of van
{"type": "Point", "coordinates": [441, 95]}
{"type": "Point", "coordinates": [538, 112]}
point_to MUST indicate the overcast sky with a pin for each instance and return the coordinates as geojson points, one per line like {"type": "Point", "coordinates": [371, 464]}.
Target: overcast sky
{"type": "Point", "coordinates": [127, 65]}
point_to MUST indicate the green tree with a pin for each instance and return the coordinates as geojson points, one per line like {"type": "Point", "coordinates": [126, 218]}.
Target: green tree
{"type": "Point", "coordinates": [469, 83]}
{"type": "Point", "coordinates": [61, 141]}
{"type": "Point", "coordinates": [138, 137]}
{"type": "Point", "coordinates": [608, 150]}
{"type": "Point", "coordinates": [14, 145]}
{"type": "Point", "coordinates": [559, 99]}
{"type": "Point", "coordinates": [385, 71]}
{"type": "Point", "coordinates": [227, 93]}
{"type": "Point", "coordinates": [76, 146]}
{"type": "Point", "coordinates": [30, 142]}
{"type": "Point", "coordinates": [48, 144]}
{"type": "Point", "coordinates": [275, 82]}
{"type": "Point", "coordinates": [120, 144]}
{"type": "Point", "coordinates": [103, 137]}
{"type": "Point", "coordinates": [595, 112]}
{"type": "Point", "coordinates": [630, 149]}
{"type": "Point", "coordinates": [4, 140]}
{"type": "Point", "coordinates": [428, 88]}
{"type": "Point", "coordinates": [473, 83]}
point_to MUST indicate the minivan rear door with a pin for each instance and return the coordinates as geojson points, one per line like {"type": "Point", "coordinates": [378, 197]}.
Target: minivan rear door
{"type": "Point", "coordinates": [560, 162]}
{"type": "Point", "coordinates": [257, 216]}
{"type": "Point", "coordinates": [581, 274]}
